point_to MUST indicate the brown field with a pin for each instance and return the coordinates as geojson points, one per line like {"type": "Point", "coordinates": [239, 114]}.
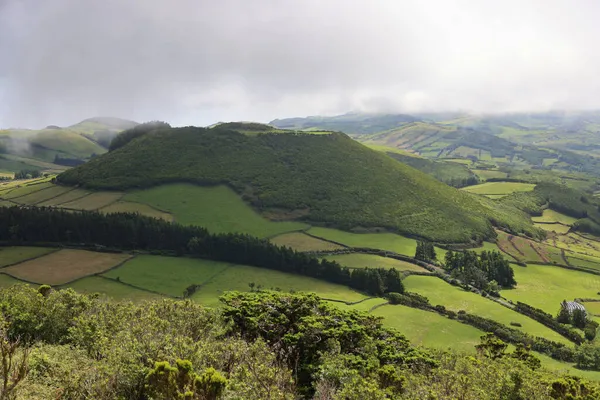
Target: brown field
{"type": "Point", "coordinates": [64, 266]}
{"type": "Point", "coordinates": [94, 201]}
{"type": "Point", "coordinates": [131, 207]}
{"type": "Point", "coordinates": [302, 242]}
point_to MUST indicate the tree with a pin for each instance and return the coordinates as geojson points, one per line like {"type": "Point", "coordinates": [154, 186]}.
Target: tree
{"type": "Point", "coordinates": [491, 346]}
{"type": "Point", "coordinates": [563, 316]}
{"type": "Point", "coordinates": [579, 318]}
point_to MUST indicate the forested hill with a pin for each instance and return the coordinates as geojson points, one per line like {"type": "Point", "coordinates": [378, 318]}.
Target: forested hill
{"type": "Point", "coordinates": [325, 178]}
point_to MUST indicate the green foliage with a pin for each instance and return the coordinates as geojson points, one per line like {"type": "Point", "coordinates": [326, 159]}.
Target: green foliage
{"type": "Point", "coordinates": [181, 382]}
{"type": "Point", "coordinates": [311, 327]}
{"type": "Point", "coordinates": [579, 318]}
{"type": "Point", "coordinates": [480, 269]}
{"type": "Point", "coordinates": [28, 174]}
{"type": "Point", "coordinates": [133, 133]}
{"type": "Point", "coordinates": [326, 178]}
{"type": "Point", "coordinates": [425, 251]}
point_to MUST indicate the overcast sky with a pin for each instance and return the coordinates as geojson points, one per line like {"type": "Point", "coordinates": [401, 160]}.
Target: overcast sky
{"type": "Point", "coordinates": [198, 61]}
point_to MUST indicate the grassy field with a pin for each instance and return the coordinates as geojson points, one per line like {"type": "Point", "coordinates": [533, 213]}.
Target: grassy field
{"type": "Point", "coordinates": [24, 190]}
{"type": "Point", "coordinates": [365, 305]}
{"type": "Point", "coordinates": [171, 275]}
{"type": "Point", "coordinates": [383, 241]}
{"type": "Point", "coordinates": [300, 241]}
{"type": "Point", "coordinates": [8, 281]}
{"type": "Point", "coordinates": [499, 188]}
{"type": "Point", "coordinates": [545, 286]}
{"type": "Point", "coordinates": [110, 288]}
{"type": "Point", "coordinates": [64, 266]}
{"type": "Point", "coordinates": [168, 275]}
{"type": "Point", "coordinates": [430, 329]}
{"type": "Point", "coordinates": [93, 201]}
{"type": "Point", "coordinates": [549, 215]}
{"type": "Point", "coordinates": [593, 307]}
{"type": "Point", "coordinates": [373, 261]}
{"type": "Point", "coordinates": [13, 255]}
{"type": "Point", "coordinates": [42, 195]}
{"type": "Point", "coordinates": [556, 228]}
{"type": "Point", "coordinates": [489, 174]}
{"type": "Point", "coordinates": [67, 197]}
{"type": "Point", "coordinates": [456, 299]}
{"type": "Point", "coordinates": [131, 207]}
{"type": "Point", "coordinates": [217, 208]}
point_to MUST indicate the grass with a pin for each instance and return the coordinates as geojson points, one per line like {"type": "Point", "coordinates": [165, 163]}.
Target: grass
{"type": "Point", "coordinates": [25, 190]}
{"type": "Point", "coordinates": [172, 275]}
{"type": "Point", "coordinates": [545, 286]}
{"type": "Point", "coordinates": [323, 178]}
{"type": "Point", "coordinates": [110, 288]}
{"type": "Point", "coordinates": [500, 188]}
{"type": "Point", "coordinates": [67, 197]}
{"type": "Point", "coordinates": [167, 275]}
{"type": "Point", "coordinates": [592, 307]}
{"type": "Point", "coordinates": [456, 299]}
{"type": "Point", "coordinates": [429, 329]}
{"type": "Point", "coordinates": [13, 255]}
{"type": "Point", "coordinates": [8, 281]}
{"type": "Point", "coordinates": [300, 241]}
{"type": "Point", "coordinates": [590, 263]}
{"type": "Point", "coordinates": [93, 201]}
{"type": "Point", "coordinates": [364, 306]}
{"type": "Point", "coordinates": [239, 276]}
{"type": "Point", "coordinates": [549, 215]}
{"type": "Point", "coordinates": [357, 260]}
{"type": "Point", "coordinates": [556, 228]}
{"type": "Point", "coordinates": [42, 195]}
{"type": "Point", "coordinates": [131, 207]}
{"type": "Point", "coordinates": [217, 208]}
{"type": "Point", "coordinates": [563, 368]}
{"type": "Point", "coordinates": [383, 241]}
{"type": "Point", "coordinates": [64, 266]}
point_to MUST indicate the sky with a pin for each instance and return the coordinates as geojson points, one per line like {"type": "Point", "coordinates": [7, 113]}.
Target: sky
{"type": "Point", "coordinates": [196, 62]}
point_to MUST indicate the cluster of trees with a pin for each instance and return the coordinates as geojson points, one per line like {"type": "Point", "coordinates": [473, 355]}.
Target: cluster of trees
{"type": "Point", "coordinates": [139, 130]}
{"type": "Point", "coordinates": [578, 319]}
{"type": "Point", "coordinates": [127, 231]}
{"type": "Point", "coordinates": [28, 174]}
{"type": "Point", "coordinates": [66, 161]}
{"type": "Point", "coordinates": [425, 251]}
{"type": "Point", "coordinates": [267, 345]}
{"type": "Point", "coordinates": [484, 271]}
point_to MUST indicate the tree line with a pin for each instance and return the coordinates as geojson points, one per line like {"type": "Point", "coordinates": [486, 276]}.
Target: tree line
{"type": "Point", "coordinates": [128, 231]}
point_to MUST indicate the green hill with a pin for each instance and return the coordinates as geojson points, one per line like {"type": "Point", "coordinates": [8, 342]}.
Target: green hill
{"type": "Point", "coordinates": [326, 179]}
{"type": "Point", "coordinates": [63, 145]}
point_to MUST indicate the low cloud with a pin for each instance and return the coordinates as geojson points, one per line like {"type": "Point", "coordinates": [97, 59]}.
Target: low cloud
{"type": "Point", "coordinates": [200, 61]}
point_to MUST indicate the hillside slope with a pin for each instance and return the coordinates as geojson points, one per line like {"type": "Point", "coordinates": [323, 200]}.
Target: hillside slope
{"type": "Point", "coordinates": [327, 179]}
{"type": "Point", "coordinates": [77, 142]}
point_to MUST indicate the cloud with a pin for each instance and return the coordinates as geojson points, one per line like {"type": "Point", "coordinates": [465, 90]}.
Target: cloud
{"type": "Point", "coordinates": [200, 61]}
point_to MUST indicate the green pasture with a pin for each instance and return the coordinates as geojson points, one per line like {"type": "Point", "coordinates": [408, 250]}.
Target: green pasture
{"type": "Point", "coordinates": [71, 195]}
{"type": "Point", "coordinates": [300, 241]}
{"type": "Point", "coordinates": [382, 241]}
{"type": "Point", "coordinates": [168, 275]}
{"type": "Point", "coordinates": [110, 288]}
{"type": "Point", "coordinates": [16, 254]}
{"type": "Point", "coordinates": [357, 260]}
{"type": "Point", "coordinates": [365, 305]}
{"type": "Point", "coordinates": [43, 194]}
{"type": "Point", "coordinates": [93, 201]}
{"type": "Point", "coordinates": [8, 281]}
{"type": "Point", "coordinates": [217, 208]}
{"type": "Point", "coordinates": [549, 215]}
{"type": "Point", "coordinates": [25, 190]}
{"type": "Point", "coordinates": [499, 188]}
{"type": "Point", "coordinates": [430, 329]}
{"type": "Point", "coordinates": [546, 286]}
{"type": "Point", "coordinates": [239, 277]}
{"type": "Point", "coordinates": [556, 228]}
{"type": "Point", "coordinates": [131, 207]}
{"type": "Point", "coordinates": [456, 299]}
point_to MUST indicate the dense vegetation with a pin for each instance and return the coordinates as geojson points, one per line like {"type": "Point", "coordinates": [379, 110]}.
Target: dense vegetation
{"type": "Point", "coordinates": [132, 231]}
{"type": "Point", "coordinates": [455, 175]}
{"type": "Point", "coordinates": [137, 131]}
{"type": "Point", "coordinates": [485, 270]}
{"type": "Point", "coordinates": [327, 179]}
{"type": "Point", "coordinates": [62, 345]}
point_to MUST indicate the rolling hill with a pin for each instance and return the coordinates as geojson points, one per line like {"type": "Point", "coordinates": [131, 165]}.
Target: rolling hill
{"type": "Point", "coordinates": [326, 179]}
{"type": "Point", "coordinates": [67, 146]}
